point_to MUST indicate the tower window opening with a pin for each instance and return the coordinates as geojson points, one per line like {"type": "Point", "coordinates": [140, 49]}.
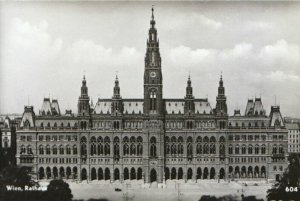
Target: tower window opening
{"type": "Point", "coordinates": [152, 100]}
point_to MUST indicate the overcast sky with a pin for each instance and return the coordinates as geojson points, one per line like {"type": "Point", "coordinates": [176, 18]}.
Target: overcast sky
{"type": "Point", "coordinates": [45, 48]}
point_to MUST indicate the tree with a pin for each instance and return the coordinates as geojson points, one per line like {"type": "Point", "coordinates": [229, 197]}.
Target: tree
{"type": "Point", "coordinates": [17, 177]}
{"type": "Point", "coordinates": [58, 190]}
{"type": "Point", "coordinates": [288, 187]}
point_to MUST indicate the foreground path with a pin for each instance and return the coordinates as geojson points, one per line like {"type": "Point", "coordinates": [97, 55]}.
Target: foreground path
{"type": "Point", "coordinates": [172, 190]}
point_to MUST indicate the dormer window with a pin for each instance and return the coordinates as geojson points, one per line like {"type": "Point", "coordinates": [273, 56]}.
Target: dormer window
{"type": "Point", "coordinates": [26, 124]}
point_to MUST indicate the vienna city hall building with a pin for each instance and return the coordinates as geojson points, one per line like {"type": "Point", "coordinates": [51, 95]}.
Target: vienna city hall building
{"type": "Point", "coordinates": [152, 138]}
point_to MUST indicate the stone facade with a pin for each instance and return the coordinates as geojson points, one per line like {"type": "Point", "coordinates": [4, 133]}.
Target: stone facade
{"type": "Point", "coordinates": [152, 139]}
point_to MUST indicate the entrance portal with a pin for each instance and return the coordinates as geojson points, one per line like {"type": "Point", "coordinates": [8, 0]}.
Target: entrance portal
{"type": "Point", "coordinates": [153, 176]}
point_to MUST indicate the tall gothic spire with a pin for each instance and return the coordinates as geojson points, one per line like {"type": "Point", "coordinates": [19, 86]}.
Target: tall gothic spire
{"type": "Point", "coordinates": [221, 89]}
{"type": "Point", "coordinates": [189, 106]}
{"type": "Point", "coordinates": [153, 101]}
{"type": "Point", "coordinates": [221, 106]}
{"type": "Point", "coordinates": [84, 99]}
{"type": "Point", "coordinates": [116, 88]}
{"type": "Point", "coordinates": [152, 57]}
{"type": "Point", "coordinates": [84, 89]}
{"type": "Point", "coordinates": [117, 105]}
{"type": "Point", "coordinates": [189, 88]}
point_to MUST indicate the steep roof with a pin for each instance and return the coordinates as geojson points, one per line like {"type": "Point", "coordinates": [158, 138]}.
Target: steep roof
{"type": "Point", "coordinates": [275, 116]}
{"type": "Point", "coordinates": [50, 108]}
{"type": "Point", "coordinates": [255, 108]}
{"type": "Point", "coordinates": [28, 117]}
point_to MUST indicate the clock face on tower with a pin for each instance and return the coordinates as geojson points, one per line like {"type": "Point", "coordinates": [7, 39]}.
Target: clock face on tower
{"type": "Point", "coordinates": [152, 74]}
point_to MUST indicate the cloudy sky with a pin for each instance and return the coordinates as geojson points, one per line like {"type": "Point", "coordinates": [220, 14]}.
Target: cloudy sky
{"type": "Point", "coordinates": [45, 48]}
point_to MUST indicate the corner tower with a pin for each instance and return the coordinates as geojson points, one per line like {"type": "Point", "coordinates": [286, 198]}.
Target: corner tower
{"type": "Point", "coordinates": [221, 106]}
{"type": "Point", "coordinates": [117, 105]}
{"type": "Point", "coordinates": [189, 106]}
{"type": "Point", "coordinates": [83, 100]}
{"type": "Point", "coordinates": [153, 102]}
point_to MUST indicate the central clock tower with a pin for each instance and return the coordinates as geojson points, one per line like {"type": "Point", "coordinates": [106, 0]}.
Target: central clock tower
{"type": "Point", "coordinates": [153, 102]}
{"type": "Point", "coordinates": [153, 153]}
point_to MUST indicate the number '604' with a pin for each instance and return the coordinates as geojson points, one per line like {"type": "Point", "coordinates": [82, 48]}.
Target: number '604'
{"type": "Point", "coordinates": [291, 189]}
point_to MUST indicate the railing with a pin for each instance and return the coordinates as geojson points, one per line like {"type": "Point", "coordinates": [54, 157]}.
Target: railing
{"type": "Point", "coordinates": [278, 155]}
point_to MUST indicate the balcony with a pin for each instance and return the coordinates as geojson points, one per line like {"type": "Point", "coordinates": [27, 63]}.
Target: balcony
{"type": "Point", "coordinates": [278, 156]}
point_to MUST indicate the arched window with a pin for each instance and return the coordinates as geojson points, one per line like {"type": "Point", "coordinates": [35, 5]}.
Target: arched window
{"type": "Point", "coordinates": [48, 149]}
{"type": "Point", "coordinates": [68, 148]}
{"type": "Point", "coordinates": [100, 145]}
{"type": "Point", "coordinates": [27, 124]}
{"type": "Point", "coordinates": [116, 147]}
{"type": "Point", "coordinates": [256, 149]}
{"type": "Point", "coordinates": [206, 146]}
{"type": "Point", "coordinates": [83, 148]}
{"type": "Point", "coordinates": [263, 149]}
{"type": "Point", "coordinates": [132, 149]}
{"type": "Point", "coordinates": [75, 150]}
{"type": "Point", "coordinates": [125, 146]}
{"type": "Point", "coordinates": [140, 146]}
{"type": "Point", "coordinates": [41, 150]}
{"type": "Point", "coordinates": [280, 150]}
{"type": "Point", "coordinates": [230, 151]}
{"type": "Point", "coordinates": [222, 146]}
{"type": "Point", "coordinates": [152, 100]}
{"type": "Point", "coordinates": [274, 150]}
{"type": "Point", "coordinates": [199, 145]}
{"type": "Point", "coordinates": [180, 145]}
{"type": "Point", "coordinates": [132, 146]}
{"type": "Point", "coordinates": [173, 146]}
{"type": "Point", "coordinates": [212, 145]}
{"type": "Point", "coordinates": [153, 147]}
{"type": "Point", "coordinates": [237, 149]}
{"type": "Point", "coordinates": [61, 149]}
{"type": "Point", "coordinates": [243, 149]}
{"type": "Point", "coordinates": [23, 149]}
{"type": "Point", "coordinates": [199, 149]}
{"type": "Point", "coordinates": [106, 146]}
{"type": "Point", "coordinates": [54, 150]}
{"type": "Point", "coordinates": [190, 146]}
{"type": "Point", "coordinates": [250, 149]}
{"type": "Point", "coordinates": [93, 146]}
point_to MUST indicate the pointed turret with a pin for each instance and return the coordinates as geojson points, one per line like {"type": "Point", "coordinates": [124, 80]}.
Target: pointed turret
{"type": "Point", "coordinates": [152, 57]}
{"type": "Point", "coordinates": [189, 89]}
{"type": "Point", "coordinates": [83, 100]}
{"type": "Point", "coordinates": [117, 104]}
{"type": "Point", "coordinates": [189, 106]}
{"type": "Point", "coordinates": [116, 89]}
{"type": "Point", "coordinates": [221, 106]}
